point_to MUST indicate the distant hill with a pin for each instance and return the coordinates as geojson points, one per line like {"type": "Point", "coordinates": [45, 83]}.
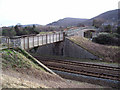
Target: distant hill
{"type": "Point", "coordinates": [108, 17]}
{"type": "Point", "coordinates": [67, 22]}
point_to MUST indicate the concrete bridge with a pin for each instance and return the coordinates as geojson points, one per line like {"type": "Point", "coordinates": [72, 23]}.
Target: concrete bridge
{"type": "Point", "coordinates": [31, 41]}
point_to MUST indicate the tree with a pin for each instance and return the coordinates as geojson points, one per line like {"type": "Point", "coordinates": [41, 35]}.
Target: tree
{"type": "Point", "coordinates": [17, 30]}
{"type": "Point", "coordinates": [108, 28]}
{"type": "Point", "coordinates": [118, 30]}
{"type": "Point", "coordinates": [97, 23]}
{"type": "Point", "coordinates": [34, 26]}
{"type": "Point", "coordinates": [10, 31]}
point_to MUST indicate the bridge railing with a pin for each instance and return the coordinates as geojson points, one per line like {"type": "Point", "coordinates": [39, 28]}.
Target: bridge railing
{"type": "Point", "coordinates": [78, 31]}
{"type": "Point", "coordinates": [30, 41]}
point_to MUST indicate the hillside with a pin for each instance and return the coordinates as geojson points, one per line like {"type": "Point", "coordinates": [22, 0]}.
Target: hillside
{"type": "Point", "coordinates": [107, 17]}
{"type": "Point", "coordinates": [67, 22]}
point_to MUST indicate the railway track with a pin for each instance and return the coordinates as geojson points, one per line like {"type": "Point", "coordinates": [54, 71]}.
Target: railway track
{"type": "Point", "coordinates": [76, 67]}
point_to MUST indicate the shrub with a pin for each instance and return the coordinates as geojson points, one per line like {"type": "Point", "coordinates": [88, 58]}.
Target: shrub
{"type": "Point", "coordinates": [118, 30]}
{"type": "Point", "coordinates": [107, 39]}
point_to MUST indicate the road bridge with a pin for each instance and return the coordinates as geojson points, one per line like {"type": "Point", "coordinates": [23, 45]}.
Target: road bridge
{"type": "Point", "coordinates": [31, 41]}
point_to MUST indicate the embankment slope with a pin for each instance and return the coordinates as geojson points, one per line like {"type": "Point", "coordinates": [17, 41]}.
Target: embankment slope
{"type": "Point", "coordinates": [106, 53]}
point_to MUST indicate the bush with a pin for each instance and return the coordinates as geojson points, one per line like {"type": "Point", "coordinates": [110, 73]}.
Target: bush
{"type": "Point", "coordinates": [107, 39]}
{"type": "Point", "coordinates": [118, 30]}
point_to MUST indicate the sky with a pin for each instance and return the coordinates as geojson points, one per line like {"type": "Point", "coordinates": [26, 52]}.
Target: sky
{"type": "Point", "coordinates": [46, 11]}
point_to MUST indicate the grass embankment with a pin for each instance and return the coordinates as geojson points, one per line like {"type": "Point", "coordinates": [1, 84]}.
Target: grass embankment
{"type": "Point", "coordinates": [14, 59]}
{"type": "Point", "coordinates": [107, 53]}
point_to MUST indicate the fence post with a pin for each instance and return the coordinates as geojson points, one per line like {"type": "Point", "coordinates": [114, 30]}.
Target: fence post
{"type": "Point", "coordinates": [38, 40]}
{"type": "Point", "coordinates": [8, 43]}
{"type": "Point", "coordinates": [63, 36]}
{"type": "Point", "coordinates": [33, 40]}
{"type": "Point", "coordinates": [53, 37]}
{"type": "Point", "coordinates": [50, 38]}
{"type": "Point", "coordinates": [59, 36]}
{"type": "Point", "coordinates": [46, 38]}
{"type": "Point", "coordinates": [28, 41]}
{"type": "Point", "coordinates": [6, 39]}
{"type": "Point", "coordinates": [24, 42]}
{"type": "Point", "coordinates": [56, 37]}
{"type": "Point", "coordinates": [42, 39]}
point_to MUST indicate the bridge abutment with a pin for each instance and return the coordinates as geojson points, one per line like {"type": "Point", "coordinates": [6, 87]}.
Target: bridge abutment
{"type": "Point", "coordinates": [64, 48]}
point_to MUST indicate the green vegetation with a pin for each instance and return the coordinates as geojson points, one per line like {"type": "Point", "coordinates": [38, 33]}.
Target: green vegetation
{"type": "Point", "coordinates": [18, 59]}
{"type": "Point", "coordinates": [107, 39]}
{"type": "Point", "coordinates": [18, 30]}
{"type": "Point", "coordinates": [118, 30]}
{"type": "Point", "coordinates": [108, 28]}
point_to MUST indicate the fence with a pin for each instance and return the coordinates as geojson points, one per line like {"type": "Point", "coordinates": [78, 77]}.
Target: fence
{"type": "Point", "coordinates": [30, 41]}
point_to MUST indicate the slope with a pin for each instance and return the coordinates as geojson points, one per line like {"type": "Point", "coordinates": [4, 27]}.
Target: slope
{"type": "Point", "coordinates": [106, 53]}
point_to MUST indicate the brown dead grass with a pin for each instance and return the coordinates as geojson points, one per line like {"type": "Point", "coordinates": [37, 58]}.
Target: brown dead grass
{"type": "Point", "coordinates": [13, 79]}
{"type": "Point", "coordinates": [11, 82]}
{"type": "Point", "coordinates": [107, 53]}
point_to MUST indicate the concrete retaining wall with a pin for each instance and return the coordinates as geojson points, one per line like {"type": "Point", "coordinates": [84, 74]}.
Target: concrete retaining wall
{"type": "Point", "coordinates": [73, 50]}
{"type": "Point", "coordinates": [66, 49]}
{"type": "Point", "coordinates": [50, 49]}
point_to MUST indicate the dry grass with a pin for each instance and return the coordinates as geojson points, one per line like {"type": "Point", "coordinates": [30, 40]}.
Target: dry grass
{"type": "Point", "coordinates": [108, 53]}
{"type": "Point", "coordinates": [14, 79]}
{"type": "Point", "coordinates": [11, 82]}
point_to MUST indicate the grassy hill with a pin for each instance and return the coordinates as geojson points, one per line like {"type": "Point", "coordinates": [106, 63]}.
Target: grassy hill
{"type": "Point", "coordinates": [106, 53]}
{"type": "Point", "coordinates": [13, 59]}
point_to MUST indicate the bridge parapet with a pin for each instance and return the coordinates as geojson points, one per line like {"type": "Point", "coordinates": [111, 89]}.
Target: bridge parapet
{"type": "Point", "coordinates": [30, 41]}
{"type": "Point", "coordinates": [80, 31]}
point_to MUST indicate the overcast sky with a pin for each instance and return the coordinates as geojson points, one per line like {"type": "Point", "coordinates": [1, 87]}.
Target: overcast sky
{"type": "Point", "coordinates": [46, 11]}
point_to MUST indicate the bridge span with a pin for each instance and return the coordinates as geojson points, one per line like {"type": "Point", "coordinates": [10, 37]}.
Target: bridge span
{"type": "Point", "coordinates": [30, 41]}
